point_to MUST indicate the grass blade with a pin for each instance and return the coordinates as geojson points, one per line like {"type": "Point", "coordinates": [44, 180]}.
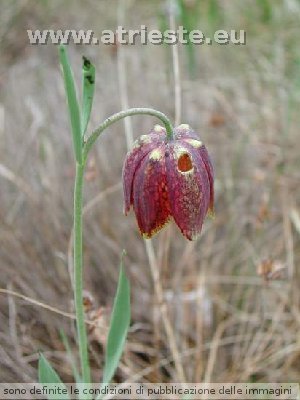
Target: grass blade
{"type": "Point", "coordinates": [88, 75]}
{"type": "Point", "coordinates": [119, 325]}
{"type": "Point", "coordinates": [73, 106]}
{"type": "Point", "coordinates": [48, 376]}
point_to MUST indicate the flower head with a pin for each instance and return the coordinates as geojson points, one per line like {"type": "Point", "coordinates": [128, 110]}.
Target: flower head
{"type": "Point", "coordinates": [165, 178]}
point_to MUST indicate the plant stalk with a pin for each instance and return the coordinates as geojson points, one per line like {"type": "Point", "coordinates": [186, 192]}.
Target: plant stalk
{"type": "Point", "coordinates": [78, 205]}
{"type": "Point", "coordinates": [123, 114]}
{"type": "Point", "coordinates": [78, 274]}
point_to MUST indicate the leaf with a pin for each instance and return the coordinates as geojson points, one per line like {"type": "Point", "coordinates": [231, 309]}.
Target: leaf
{"type": "Point", "coordinates": [119, 325]}
{"type": "Point", "coordinates": [88, 75]}
{"type": "Point", "coordinates": [49, 378]}
{"type": "Point", "coordinates": [74, 110]}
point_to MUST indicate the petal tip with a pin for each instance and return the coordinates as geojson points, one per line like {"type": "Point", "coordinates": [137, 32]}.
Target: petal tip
{"type": "Point", "coordinates": [211, 213]}
{"type": "Point", "coordinates": [193, 236]}
{"type": "Point", "coordinates": [153, 232]}
{"type": "Point", "coordinates": [183, 126]}
{"type": "Point", "coordinates": [126, 209]}
{"type": "Point", "coordinates": [159, 129]}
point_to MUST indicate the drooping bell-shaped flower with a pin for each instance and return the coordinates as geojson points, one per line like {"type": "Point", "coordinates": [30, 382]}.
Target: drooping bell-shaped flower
{"type": "Point", "coordinates": [165, 178]}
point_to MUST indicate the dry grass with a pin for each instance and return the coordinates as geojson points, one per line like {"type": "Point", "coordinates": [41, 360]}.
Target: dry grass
{"type": "Point", "coordinates": [229, 324]}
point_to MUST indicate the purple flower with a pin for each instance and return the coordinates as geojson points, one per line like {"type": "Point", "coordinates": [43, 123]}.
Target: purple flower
{"type": "Point", "coordinates": [169, 178]}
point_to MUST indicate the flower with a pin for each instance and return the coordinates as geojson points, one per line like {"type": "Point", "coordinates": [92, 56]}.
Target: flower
{"type": "Point", "coordinates": [165, 178]}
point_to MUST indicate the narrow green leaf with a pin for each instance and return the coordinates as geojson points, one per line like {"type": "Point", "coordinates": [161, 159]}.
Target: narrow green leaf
{"type": "Point", "coordinates": [119, 325]}
{"type": "Point", "coordinates": [73, 106]}
{"type": "Point", "coordinates": [79, 382]}
{"type": "Point", "coordinates": [48, 376]}
{"type": "Point", "coordinates": [88, 76]}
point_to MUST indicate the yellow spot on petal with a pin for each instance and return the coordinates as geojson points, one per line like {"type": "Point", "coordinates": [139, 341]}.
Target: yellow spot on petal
{"type": "Point", "coordinates": [145, 139]}
{"type": "Point", "coordinates": [193, 142]}
{"type": "Point", "coordinates": [159, 128]}
{"type": "Point", "coordinates": [156, 155]}
{"type": "Point", "coordinates": [184, 126]}
{"type": "Point", "coordinates": [136, 144]}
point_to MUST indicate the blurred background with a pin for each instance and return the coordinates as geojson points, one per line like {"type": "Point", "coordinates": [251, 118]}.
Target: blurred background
{"type": "Point", "coordinates": [232, 296]}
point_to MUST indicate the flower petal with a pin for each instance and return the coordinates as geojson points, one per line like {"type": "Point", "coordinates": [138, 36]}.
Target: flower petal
{"type": "Point", "coordinates": [150, 195]}
{"type": "Point", "coordinates": [184, 131]}
{"type": "Point", "coordinates": [199, 147]}
{"type": "Point", "coordinates": [189, 189]}
{"type": "Point", "coordinates": [140, 149]}
{"type": "Point", "coordinates": [210, 173]}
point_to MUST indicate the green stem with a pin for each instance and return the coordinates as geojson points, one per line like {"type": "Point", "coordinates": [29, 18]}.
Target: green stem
{"type": "Point", "coordinates": [78, 278]}
{"type": "Point", "coordinates": [78, 203]}
{"type": "Point", "coordinates": [123, 114]}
